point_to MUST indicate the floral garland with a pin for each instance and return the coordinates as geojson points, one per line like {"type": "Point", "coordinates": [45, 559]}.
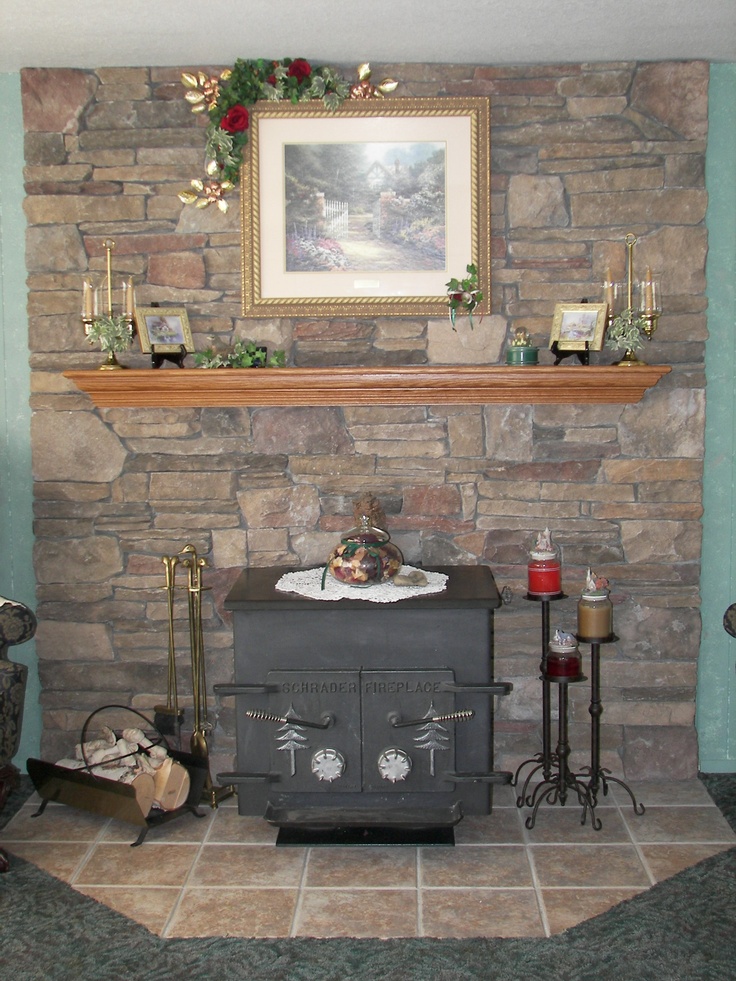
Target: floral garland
{"type": "Point", "coordinates": [464, 294]}
{"type": "Point", "coordinates": [227, 98]}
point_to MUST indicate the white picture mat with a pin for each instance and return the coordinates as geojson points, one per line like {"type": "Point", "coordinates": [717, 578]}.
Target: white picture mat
{"type": "Point", "coordinates": [275, 282]}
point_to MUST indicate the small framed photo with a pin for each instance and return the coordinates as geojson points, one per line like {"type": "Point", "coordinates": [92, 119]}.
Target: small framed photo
{"type": "Point", "coordinates": [163, 330]}
{"type": "Point", "coordinates": [578, 326]}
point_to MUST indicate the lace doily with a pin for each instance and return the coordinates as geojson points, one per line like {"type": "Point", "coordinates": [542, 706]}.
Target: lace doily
{"type": "Point", "coordinates": [309, 583]}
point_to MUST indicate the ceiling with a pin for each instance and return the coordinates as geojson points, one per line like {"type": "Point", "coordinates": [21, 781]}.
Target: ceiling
{"type": "Point", "coordinates": [74, 34]}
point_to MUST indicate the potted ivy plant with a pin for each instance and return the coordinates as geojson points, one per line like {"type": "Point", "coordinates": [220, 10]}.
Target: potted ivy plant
{"type": "Point", "coordinates": [114, 334]}
{"type": "Point", "coordinates": [626, 331]}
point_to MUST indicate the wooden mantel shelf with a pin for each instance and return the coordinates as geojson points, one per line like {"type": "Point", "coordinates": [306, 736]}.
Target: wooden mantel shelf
{"type": "Point", "coordinates": [405, 385]}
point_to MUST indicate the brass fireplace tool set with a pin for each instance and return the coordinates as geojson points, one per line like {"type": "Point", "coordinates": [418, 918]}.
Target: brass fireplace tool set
{"type": "Point", "coordinates": [169, 717]}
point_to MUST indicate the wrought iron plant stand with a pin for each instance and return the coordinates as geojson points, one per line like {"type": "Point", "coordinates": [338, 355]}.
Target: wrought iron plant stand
{"type": "Point", "coordinates": [558, 780]}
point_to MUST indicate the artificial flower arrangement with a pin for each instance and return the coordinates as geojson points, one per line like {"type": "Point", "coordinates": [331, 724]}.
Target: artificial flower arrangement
{"type": "Point", "coordinates": [114, 334]}
{"type": "Point", "coordinates": [227, 98]}
{"type": "Point", "coordinates": [625, 331]}
{"type": "Point", "coordinates": [464, 294]}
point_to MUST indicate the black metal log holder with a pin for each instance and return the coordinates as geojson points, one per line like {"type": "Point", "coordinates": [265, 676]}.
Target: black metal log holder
{"type": "Point", "coordinates": [558, 780]}
{"type": "Point", "coordinates": [87, 791]}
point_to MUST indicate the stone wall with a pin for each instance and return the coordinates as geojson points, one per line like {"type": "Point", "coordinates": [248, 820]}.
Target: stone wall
{"type": "Point", "coordinates": [581, 155]}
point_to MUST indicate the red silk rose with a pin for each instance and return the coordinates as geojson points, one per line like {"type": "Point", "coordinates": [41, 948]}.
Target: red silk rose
{"type": "Point", "coordinates": [299, 69]}
{"type": "Point", "coordinates": [235, 120]}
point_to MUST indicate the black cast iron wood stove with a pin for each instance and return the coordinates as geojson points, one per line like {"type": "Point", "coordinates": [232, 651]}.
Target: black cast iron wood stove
{"type": "Point", "coordinates": [362, 722]}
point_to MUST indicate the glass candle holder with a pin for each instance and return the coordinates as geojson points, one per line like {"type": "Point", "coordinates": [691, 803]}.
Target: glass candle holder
{"type": "Point", "coordinates": [563, 661]}
{"type": "Point", "coordinates": [595, 618]}
{"type": "Point", "coordinates": [595, 611]}
{"type": "Point", "coordinates": [650, 296]}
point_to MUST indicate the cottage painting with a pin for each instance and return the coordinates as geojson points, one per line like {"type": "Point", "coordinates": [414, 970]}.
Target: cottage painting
{"type": "Point", "coordinates": [366, 207]}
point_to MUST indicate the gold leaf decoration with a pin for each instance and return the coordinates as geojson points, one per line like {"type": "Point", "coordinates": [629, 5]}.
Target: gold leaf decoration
{"type": "Point", "coordinates": [365, 89]}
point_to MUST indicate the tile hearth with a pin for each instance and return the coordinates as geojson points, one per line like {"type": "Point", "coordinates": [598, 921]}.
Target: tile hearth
{"type": "Point", "coordinates": [223, 876]}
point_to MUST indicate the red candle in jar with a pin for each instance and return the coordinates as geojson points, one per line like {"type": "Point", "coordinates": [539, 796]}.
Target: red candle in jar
{"type": "Point", "coordinates": [544, 576]}
{"type": "Point", "coordinates": [563, 665]}
{"type": "Point", "coordinates": [544, 570]}
{"type": "Point", "coordinates": [563, 659]}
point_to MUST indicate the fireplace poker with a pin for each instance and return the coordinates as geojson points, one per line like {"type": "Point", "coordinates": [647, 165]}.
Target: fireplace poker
{"type": "Point", "coordinates": [194, 565]}
{"type": "Point", "coordinates": [168, 718]}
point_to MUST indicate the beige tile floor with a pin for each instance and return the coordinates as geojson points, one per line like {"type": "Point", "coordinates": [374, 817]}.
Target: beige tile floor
{"type": "Point", "coordinates": [222, 875]}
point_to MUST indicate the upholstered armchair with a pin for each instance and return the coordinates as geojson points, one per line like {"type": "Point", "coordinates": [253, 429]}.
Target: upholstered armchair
{"type": "Point", "coordinates": [17, 625]}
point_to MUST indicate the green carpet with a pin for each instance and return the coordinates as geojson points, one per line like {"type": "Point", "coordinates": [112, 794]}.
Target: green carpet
{"type": "Point", "coordinates": [683, 929]}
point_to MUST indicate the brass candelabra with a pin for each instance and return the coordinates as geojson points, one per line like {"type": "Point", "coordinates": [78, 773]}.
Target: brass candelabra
{"type": "Point", "coordinates": [97, 307]}
{"type": "Point", "coordinates": [639, 301]}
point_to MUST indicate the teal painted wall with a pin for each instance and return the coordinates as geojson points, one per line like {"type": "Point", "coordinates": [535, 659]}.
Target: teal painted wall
{"type": "Point", "coordinates": [16, 485]}
{"type": "Point", "coordinates": [716, 701]}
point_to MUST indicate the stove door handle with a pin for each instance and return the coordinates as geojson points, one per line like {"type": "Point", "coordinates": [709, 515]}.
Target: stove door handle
{"type": "Point", "coordinates": [226, 690]}
{"type": "Point", "coordinates": [498, 688]}
{"type": "Point", "coordinates": [461, 716]}
{"type": "Point", "coordinates": [495, 776]}
{"type": "Point", "coordinates": [240, 776]}
{"type": "Point", "coordinates": [327, 719]}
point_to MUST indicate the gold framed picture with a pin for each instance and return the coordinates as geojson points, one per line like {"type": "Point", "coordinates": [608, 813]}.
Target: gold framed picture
{"type": "Point", "coordinates": [367, 210]}
{"type": "Point", "coordinates": [163, 330]}
{"type": "Point", "coordinates": [578, 326]}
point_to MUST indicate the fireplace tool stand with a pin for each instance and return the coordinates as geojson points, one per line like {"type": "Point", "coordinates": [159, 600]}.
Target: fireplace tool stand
{"type": "Point", "coordinates": [189, 559]}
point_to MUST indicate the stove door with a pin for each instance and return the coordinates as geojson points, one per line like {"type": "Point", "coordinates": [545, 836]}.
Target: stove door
{"type": "Point", "coordinates": [406, 747]}
{"type": "Point", "coordinates": [308, 758]}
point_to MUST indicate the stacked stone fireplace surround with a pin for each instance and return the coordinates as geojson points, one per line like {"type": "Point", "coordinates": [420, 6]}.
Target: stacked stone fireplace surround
{"type": "Point", "coordinates": [581, 155]}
